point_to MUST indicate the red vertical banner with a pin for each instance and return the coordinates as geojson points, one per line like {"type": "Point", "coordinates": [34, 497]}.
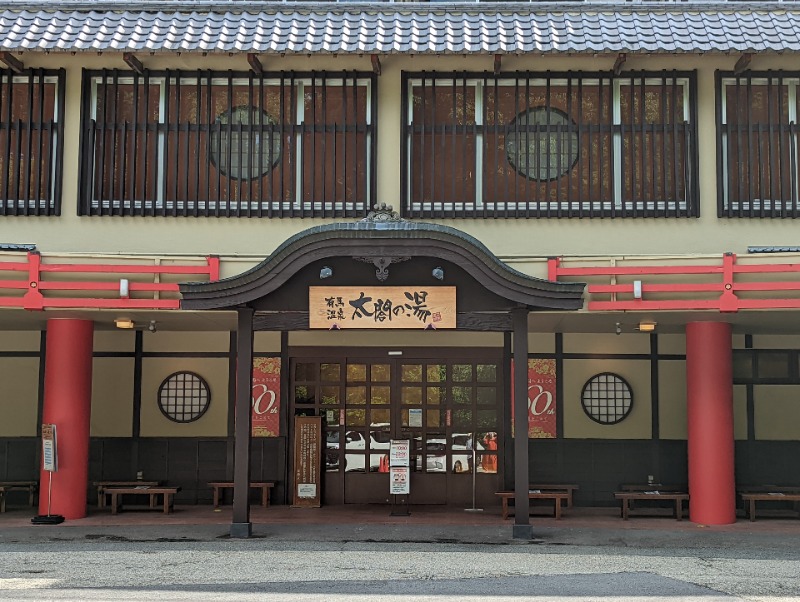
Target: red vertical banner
{"type": "Point", "coordinates": [266, 397]}
{"type": "Point", "coordinates": [541, 399]}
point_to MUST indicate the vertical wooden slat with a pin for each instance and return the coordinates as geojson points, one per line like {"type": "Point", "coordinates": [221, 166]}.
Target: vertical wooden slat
{"type": "Point", "coordinates": [587, 128]}
{"type": "Point", "coordinates": [26, 191]}
{"type": "Point", "coordinates": [43, 168]}
{"type": "Point", "coordinates": [667, 118]}
{"type": "Point", "coordinates": [9, 133]}
{"type": "Point", "coordinates": [198, 93]}
{"type": "Point", "coordinates": [212, 127]}
{"type": "Point", "coordinates": [293, 145]}
{"type": "Point", "coordinates": [676, 127]}
{"type": "Point", "coordinates": [265, 135]}
{"type": "Point", "coordinates": [102, 120]}
{"type": "Point", "coordinates": [600, 157]}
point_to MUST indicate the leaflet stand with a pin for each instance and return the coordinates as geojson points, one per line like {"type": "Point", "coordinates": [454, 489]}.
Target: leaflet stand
{"type": "Point", "coordinates": [399, 477]}
{"type": "Point", "coordinates": [474, 472]}
{"type": "Point", "coordinates": [49, 464]}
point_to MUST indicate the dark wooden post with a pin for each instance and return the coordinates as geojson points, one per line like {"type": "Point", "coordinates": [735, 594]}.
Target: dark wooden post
{"type": "Point", "coordinates": [241, 526]}
{"type": "Point", "coordinates": [522, 528]}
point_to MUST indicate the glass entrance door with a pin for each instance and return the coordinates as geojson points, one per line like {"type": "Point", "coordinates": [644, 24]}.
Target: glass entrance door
{"type": "Point", "coordinates": [450, 411]}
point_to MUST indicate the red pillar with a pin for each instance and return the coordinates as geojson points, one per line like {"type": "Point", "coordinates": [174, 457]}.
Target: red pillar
{"type": "Point", "coordinates": [67, 404]}
{"type": "Point", "coordinates": [709, 383]}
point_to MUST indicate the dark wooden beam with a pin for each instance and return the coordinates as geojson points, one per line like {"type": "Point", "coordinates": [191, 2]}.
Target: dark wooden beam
{"type": "Point", "coordinates": [241, 525]}
{"type": "Point", "coordinates": [620, 62]}
{"type": "Point", "coordinates": [376, 64]}
{"type": "Point", "coordinates": [522, 520]}
{"type": "Point", "coordinates": [133, 62]}
{"type": "Point", "coordinates": [255, 64]}
{"type": "Point", "coordinates": [12, 62]}
{"type": "Point", "coordinates": [498, 59]}
{"type": "Point", "coordinates": [743, 63]}
{"type": "Point", "coordinates": [469, 320]}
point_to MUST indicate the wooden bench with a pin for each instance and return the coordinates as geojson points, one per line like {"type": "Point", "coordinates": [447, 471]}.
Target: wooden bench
{"type": "Point", "coordinates": [30, 486]}
{"type": "Point", "coordinates": [750, 499]}
{"type": "Point", "coordinates": [628, 496]}
{"type": "Point", "coordinates": [557, 496]}
{"type": "Point", "coordinates": [556, 487]}
{"type": "Point", "coordinates": [152, 492]}
{"type": "Point", "coordinates": [103, 485]}
{"type": "Point", "coordinates": [218, 486]}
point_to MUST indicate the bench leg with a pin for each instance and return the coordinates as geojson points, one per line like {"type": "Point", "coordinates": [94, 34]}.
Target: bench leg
{"type": "Point", "coordinates": [505, 508]}
{"type": "Point", "coordinates": [166, 503]}
{"type": "Point", "coordinates": [216, 498]}
{"type": "Point", "coordinates": [625, 509]}
{"type": "Point", "coordinates": [558, 509]}
{"type": "Point", "coordinates": [2, 502]}
{"type": "Point", "coordinates": [265, 496]}
{"type": "Point", "coordinates": [114, 503]}
{"type": "Point", "coordinates": [678, 509]}
{"type": "Point", "coordinates": [752, 511]}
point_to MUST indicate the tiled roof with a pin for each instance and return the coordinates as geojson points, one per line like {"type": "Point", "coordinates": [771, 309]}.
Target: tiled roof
{"type": "Point", "coordinates": [400, 28]}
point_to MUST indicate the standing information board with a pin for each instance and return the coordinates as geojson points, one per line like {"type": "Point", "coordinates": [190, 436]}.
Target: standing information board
{"type": "Point", "coordinates": [49, 465]}
{"type": "Point", "coordinates": [307, 460]}
{"type": "Point", "coordinates": [399, 474]}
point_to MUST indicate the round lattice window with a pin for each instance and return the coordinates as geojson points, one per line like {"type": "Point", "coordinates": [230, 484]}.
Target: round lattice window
{"type": "Point", "coordinates": [241, 144]}
{"type": "Point", "coordinates": [183, 397]}
{"type": "Point", "coordinates": [607, 398]}
{"type": "Point", "coordinates": [542, 143]}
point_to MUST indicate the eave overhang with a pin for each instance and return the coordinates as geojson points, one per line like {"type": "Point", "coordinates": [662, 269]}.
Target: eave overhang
{"type": "Point", "coordinates": [410, 239]}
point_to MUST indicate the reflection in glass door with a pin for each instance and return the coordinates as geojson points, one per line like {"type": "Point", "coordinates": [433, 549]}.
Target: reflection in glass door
{"type": "Point", "coordinates": [450, 410]}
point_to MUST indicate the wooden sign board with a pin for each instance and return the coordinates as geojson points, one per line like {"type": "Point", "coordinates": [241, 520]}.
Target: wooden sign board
{"type": "Point", "coordinates": [411, 307]}
{"type": "Point", "coordinates": [307, 461]}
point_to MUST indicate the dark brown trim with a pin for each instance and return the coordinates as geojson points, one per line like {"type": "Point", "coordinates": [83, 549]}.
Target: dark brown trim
{"type": "Point", "coordinates": [751, 394]}
{"type": "Point", "coordinates": [284, 411]}
{"type": "Point", "coordinates": [655, 426]}
{"type": "Point", "coordinates": [240, 525]}
{"type": "Point", "coordinates": [522, 521]}
{"type": "Point", "coordinates": [232, 347]}
{"type": "Point", "coordinates": [40, 391]}
{"type": "Point", "coordinates": [559, 349]}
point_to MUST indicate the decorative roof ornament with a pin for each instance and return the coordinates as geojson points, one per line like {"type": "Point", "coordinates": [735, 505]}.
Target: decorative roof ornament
{"type": "Point", "coordinates": [383, 213]}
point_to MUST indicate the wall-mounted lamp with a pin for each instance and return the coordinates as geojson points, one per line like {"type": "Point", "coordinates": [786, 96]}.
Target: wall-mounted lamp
{"type": "Point", "coordinates": [125, 323]}
{"type": "Point", "coordinates": [438, 273]}
{"type": "Point", "coordinates": [325, 272]}
{"type": "Point", "coordinates": [152, 326]}
{"type": "Point", "coordinates": [646, 326]}
{"type": "Point", "coordinates": [124, 288]}
{"type": "Point", "coordinates": [618, 328]}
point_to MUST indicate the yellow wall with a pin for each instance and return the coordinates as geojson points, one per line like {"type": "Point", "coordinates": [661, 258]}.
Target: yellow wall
{"type": "Point", "coordinates": [112, 397]}
{"type": "Point", "coordinates": [577, 425]}
{"type": "Point", "coordinates": [212, 424]}
{"type": "Point", "coordinates": [672, 399]}
{"type": "Point", "coordinates": [777, 412]}
{"type": "Point", "coordinates": [19, 397]}
{"type": "Point", "coordinates": [539, 238]}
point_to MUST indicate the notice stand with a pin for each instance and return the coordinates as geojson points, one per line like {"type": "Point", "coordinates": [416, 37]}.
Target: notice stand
{"type": "Point", "coordinates": [50, 464]}
{"type": "Point", "coordinates": [399, 476]}
{"type": "Point", "coordinates": [474, 472]}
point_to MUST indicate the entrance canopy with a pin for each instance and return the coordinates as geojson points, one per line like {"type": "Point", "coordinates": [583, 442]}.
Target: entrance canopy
{"type": "Point", "coordinates": [380, 250]}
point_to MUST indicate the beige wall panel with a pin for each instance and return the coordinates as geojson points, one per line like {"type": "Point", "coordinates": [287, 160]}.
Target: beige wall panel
{"type": "Point", "coordinates": [740, 412]}
{"type": "Point", "coordinates": [19, 396]}
{"type": "Point", "coordinates": [577, 425]}
{"type": "Point", "coordinates": [267, 342]}
{"type": "Point", "coordinates": [671, 399]}
{"type": "Point", "coordinates": [777, 412]}
{"type": "Point", "coordinates": [212, 424]}
{"type": "Point", "coordinates": [607, 343]}
{"type": "Point", "coordinates": [737, 341]}
{"type": "Point", "coordinates": [17, 340]}
{"type": "Point", "coordinates": [541, 343]}
{"type": "Point", "coordinates": [402, 339]}
{"type": "Point", "coordinates": [187, 341]}
{"type": "Point", "coordinates": [775, 342]}
{"type": "Point", "coordinates": [539, 238]}
{"type": "Point", "coordinates": [112, 397]}
{"type": "Point", "coordinates": [115, 340]}
{"type": "Point", "coordinates": [672, 343]}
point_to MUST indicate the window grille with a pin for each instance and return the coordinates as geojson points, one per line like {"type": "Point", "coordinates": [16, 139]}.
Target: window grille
{"type": "Point", "coordinates": [607, 398]}
{"type": "Point", "coordinates": [31, 141]}
{"type": "Point", "coordinates": [550, 145]}
{"type": "Point", "coordinates": [183, 397]}
{"type": "Point", "coordinates": [757, 144]}
{"type": "Point", "coordinates": [201, 143]}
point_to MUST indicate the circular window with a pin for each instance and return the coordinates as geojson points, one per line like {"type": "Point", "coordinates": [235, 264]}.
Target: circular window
{"type": "Point", "coordinates": [607, 398]}
{"type": "Point", "coordinates": [183, 397]}
{"type": "Point", "coordinates": [542, 143]}
{"type": "Point", "coordinates": [238, 148]}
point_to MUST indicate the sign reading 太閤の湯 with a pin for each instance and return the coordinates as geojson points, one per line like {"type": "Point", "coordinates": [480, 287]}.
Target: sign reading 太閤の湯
{"type": "Point", "coordinates": [382, 307]}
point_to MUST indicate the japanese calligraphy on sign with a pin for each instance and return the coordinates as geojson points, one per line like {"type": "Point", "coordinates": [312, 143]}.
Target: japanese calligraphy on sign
{"type": "Point", "coordinates": [382, 307]}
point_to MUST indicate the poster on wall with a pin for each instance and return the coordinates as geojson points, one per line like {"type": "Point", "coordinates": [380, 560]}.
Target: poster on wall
{"type": "Point", "coordinates": [307, 455]}
{"type": "Point", "coordinates": [266, 397]}
{"type": "Point", "coordinates": [541, 398]}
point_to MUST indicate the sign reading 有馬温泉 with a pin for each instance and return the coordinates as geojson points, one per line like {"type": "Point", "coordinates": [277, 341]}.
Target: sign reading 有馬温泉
{"type": "Point", "coordinates": [382, 307]}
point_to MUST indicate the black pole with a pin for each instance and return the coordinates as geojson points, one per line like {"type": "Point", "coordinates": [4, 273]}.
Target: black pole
{"type": "Point", "coordinates": [241, 525]}
{"type": "Point", "coordinates": [522, 528]}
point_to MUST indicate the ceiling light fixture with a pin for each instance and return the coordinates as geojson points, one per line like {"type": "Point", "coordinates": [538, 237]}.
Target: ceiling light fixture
{"type": "Point", "coordinates": [125, 323]}
{"type": "Point", "coordinates": [647, 326]}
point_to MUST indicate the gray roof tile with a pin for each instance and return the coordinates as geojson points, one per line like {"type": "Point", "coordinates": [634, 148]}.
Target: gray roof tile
{"type": "Point", "coordinates": [387, 28]}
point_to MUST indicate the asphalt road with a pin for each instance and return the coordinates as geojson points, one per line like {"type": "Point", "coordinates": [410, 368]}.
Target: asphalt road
{"type": "Point", "coordinates": [403, 564]}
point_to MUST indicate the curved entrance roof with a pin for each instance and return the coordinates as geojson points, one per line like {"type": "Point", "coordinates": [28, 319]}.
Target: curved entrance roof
{"type": "Point", "coordinates": [379, 236]}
